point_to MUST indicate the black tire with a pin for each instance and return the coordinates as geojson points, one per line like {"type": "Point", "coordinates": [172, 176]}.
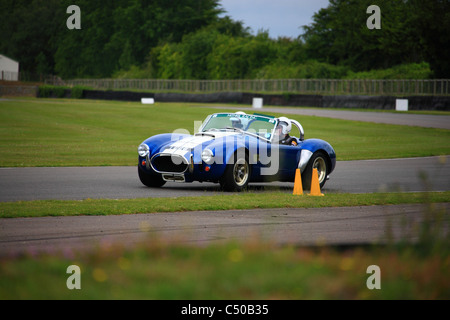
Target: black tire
{"type": "Point", "coordinates": [150, 180]}
{"type": "Point", "coordinates": [236, 175]}
{"type": "Point", "coordinates": [319, 160]}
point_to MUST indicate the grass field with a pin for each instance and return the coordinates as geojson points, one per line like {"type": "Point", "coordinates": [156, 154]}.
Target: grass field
{"type": "Point", "coordinates": [52, 132]}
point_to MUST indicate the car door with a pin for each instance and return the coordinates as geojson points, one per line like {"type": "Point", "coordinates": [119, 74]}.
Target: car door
{"type": "Point", "coordinates": [289, 157]}
{"type": "Point", "coordinates": [276, 161]}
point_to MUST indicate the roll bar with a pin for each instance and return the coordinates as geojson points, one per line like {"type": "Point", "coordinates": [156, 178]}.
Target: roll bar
{"type": "Point", "coordinates": [300, 129]}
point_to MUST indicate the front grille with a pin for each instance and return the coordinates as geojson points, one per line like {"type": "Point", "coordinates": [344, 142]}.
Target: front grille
{"type": "Point", "coordinates": [169, 163]}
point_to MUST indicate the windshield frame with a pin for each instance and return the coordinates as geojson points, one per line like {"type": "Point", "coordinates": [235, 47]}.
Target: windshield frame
{"type": "Point", "coordinates": [250, 117]}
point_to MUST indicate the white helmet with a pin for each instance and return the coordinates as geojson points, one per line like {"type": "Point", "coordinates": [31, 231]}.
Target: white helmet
{"type": "Point", "coordinates": [285, 124]}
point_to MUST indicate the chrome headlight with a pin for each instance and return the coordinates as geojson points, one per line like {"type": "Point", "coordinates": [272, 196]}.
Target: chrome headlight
{"type": "Point", "coordinates": [208, 156]}
{"type": "Point", "coordinates": [143, 150]}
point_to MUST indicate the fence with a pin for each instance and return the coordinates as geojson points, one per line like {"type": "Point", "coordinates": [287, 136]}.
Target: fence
{"type": "Point", "coordinates": [299, 86]}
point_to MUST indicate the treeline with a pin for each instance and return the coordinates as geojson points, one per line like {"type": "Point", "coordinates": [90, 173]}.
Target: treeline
{"type": "Point", "coordinates": [114, 34]}
{"type": "Point", "coordinates": [411, 31]}
{"type": "Point", "coordinates": [191, 39]}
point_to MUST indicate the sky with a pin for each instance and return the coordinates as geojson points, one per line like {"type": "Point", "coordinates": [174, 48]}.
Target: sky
{"type": "Point", "coordinates": [281, 18]}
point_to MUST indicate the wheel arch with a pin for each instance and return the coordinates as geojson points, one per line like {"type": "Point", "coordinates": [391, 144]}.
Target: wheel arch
{"type": "Point", "coordinates": [312, 146]}
{"type": "Point", "coordinates": [237, 150]}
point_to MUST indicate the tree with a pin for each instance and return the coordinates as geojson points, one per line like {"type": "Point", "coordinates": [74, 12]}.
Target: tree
{"type": "Point", "coordinates": [29, 32]}
{"type": "Point", "coordinates": [227, 59]}
{"type": "Point", "coordinates": [169, 61]}
{"type": "Point", "coordinates": [433, 25]}
{"type": "Point", "coordinates": [195, 50]}
{"type": "Point", "coordinates": [113, 34]}
{"type": "Point", "coordinates": [339, 35]}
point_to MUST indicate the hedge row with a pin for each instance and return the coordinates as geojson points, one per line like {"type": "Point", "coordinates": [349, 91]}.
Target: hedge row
{"type": "Point", "coordinates": [48, 91]}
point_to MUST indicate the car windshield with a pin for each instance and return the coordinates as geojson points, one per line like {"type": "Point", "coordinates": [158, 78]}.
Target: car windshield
{"type": "Point", "coordinates": [259, 125]}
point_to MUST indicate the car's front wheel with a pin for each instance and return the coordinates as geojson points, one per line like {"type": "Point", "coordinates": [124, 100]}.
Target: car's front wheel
{"type": "Point", "coordinates": [150, 180]}
{"type": "Point", "coordinates": [236, 175]}
{"type": "Point", "coordinates": [319, 161]}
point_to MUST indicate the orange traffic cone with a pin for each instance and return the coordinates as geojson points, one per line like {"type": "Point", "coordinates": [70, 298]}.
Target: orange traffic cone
{"type": "Point", "coordinates": [298, 188]}
{"type": "Point", "coordinates": [315, 186]}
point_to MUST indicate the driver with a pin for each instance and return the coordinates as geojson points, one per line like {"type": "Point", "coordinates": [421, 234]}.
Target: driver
{"type": "Point", "coordinates": [236, 122]}
{"type": "Point", "coordinates": [282, 132]}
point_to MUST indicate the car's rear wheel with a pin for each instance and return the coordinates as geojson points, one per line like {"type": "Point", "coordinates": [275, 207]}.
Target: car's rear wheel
{"type": "Point", "coordinates": [319, 161]}
{"type": "Point", "coordinates": [236, 175]}
{"type": "Point", "coordinates": [150, 180]}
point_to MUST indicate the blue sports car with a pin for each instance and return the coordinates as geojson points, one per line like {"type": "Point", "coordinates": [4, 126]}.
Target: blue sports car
{"type": "Point", "coordinates": [235, 149]}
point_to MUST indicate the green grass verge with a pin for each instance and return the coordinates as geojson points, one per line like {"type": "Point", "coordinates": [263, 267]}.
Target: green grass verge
{"type": "Point", "coordinates": [65, 132]}
{"type": "Point", "coordinates": [41, 208]}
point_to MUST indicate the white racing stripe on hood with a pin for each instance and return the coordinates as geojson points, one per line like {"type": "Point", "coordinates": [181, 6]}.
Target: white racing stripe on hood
{"type": "Point", "coordinates": [183, 146]}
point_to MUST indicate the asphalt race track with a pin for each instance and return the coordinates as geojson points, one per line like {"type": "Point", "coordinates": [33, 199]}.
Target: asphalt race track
{"type": "Point", "coordinates": [332, 226]}
{"type": "Point", "coordinates": [77, 183]}
{"type": "Point", "coordinates": [343, 226]}
{"type": "Point", "coordinates": [407, 119]}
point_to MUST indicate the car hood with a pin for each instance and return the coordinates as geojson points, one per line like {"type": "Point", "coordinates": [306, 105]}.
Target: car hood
{"type": "Point", "coordinates": [196, 142]}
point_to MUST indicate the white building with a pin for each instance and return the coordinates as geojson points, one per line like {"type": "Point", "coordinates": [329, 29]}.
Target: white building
{"type": "Point", "coordinates": [9, 69]}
